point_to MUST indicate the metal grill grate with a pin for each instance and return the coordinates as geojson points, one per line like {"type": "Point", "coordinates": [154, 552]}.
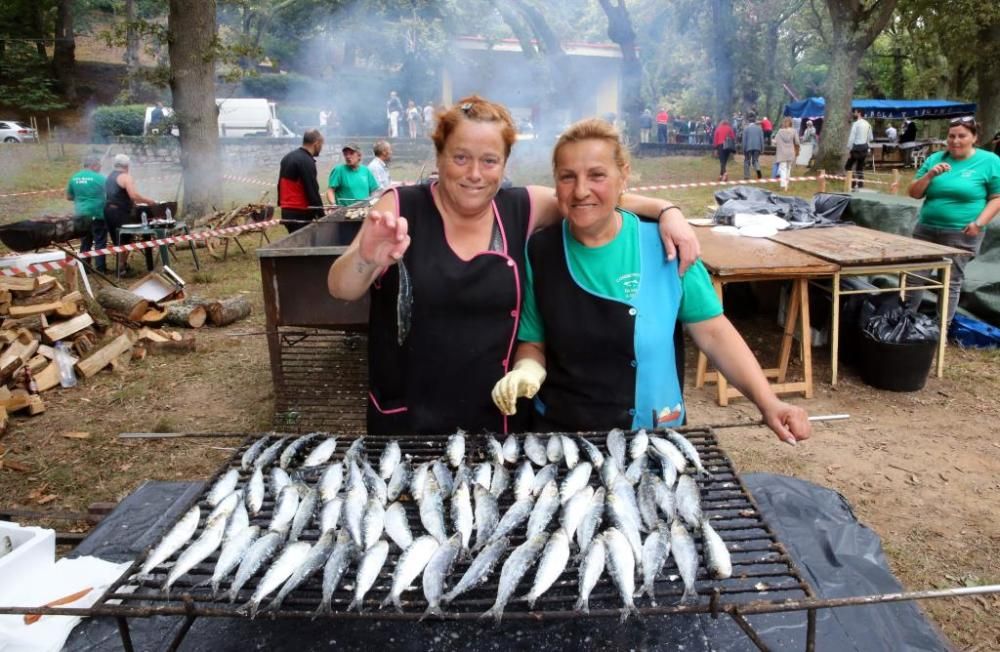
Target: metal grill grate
{"type": "Point", "coordinates": [321, 381]}
{"type": "Point", "coordinates": [763, 572]}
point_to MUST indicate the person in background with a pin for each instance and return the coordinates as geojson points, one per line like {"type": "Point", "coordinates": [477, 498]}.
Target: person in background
{"type": "Point", "coordinates": [645, 126]}
{"type": "Point", "coordinates": [412, 118]}
{"type": "Point", "coordinates": [298, 189]}
{"type": "Point", "coordinates": [995, 143]}
{"type": "Point", "coordinates": [86, 190]}
{"type": "Point", "coordinates": [428, 118]}
{"type": "Point", "coordinates": [662, 120]}
{"type": "Point", "coordinates": [909, 131]}
{"type": "Point", "coordinates": [891, 134]}
{"type": "Point", "coordinates": [724, 142]}
{"type": "Point", "coordinates": [324, 116]}
{"type": "Point", "coordinates": [156, 118]}
{"type": "Point", "coordinates": [596, 338]}
{"type": "Point", "coordinates": [753, 144]}
{"type": "Point", "coordinates": [961, 191]}
{"type": "Point", "coordinates": [767, 128]}
{"type": "Point", "coordinates": [858, 144]}
{"type": "Point", "coordinates": [120, 196]}
{"type": "Point", "coordinates": [350, 182]}
{"type": "Point", "coordinates": [808, 141]}
{"type": "Point", "coordinates": [434, 360]}
{"type": "Point", "coordinates": [786, 147]}
{"type": "Point", "coordinates": [393, 112]}
{"type": "Point", "coordinates": [379, 165]}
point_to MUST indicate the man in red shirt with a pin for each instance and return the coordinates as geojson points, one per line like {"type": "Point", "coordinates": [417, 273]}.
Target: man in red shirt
{"type": "Point", "coordinates": [298, 190]}
{"type": "Point", "coordinates": [662, 119]}
{"type": "Point", "coordinates": [767, 127]}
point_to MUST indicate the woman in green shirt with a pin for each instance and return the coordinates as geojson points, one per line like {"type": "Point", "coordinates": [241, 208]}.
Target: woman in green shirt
{"type": "Point", "coordinates": [961, 192]}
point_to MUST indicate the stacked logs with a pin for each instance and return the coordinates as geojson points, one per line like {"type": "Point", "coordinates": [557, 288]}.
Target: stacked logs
{"type": "Point", "coordinates": [117, 325]}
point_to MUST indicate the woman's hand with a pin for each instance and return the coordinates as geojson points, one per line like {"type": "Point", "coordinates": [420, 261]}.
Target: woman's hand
{"type": "Point", "coordinates": [939, 169]}
{"type": "Point", "coordinates": [384, 239]}
{"type": "Point", "coordinates": [972, 229]}
{"type": "Point", "coordinates": [790, 422]}
{"type": "Point", "coordinates": [676, 234]}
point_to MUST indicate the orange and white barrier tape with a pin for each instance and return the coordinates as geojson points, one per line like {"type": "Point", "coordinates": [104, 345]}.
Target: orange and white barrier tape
{"type": "Point", "coordinates": [716, 184]}
{"type": "Point", "coordinates": [41, 268]}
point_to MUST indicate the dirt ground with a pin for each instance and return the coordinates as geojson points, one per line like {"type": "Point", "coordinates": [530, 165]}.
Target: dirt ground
{"type": "Point", "coordinates": [922, 469]}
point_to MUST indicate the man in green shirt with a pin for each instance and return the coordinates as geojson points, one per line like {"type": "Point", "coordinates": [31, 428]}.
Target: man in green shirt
{"type": "Point", "coordinates": [350, 181]}
{"type": "Point", "coordinates": [86, 190]}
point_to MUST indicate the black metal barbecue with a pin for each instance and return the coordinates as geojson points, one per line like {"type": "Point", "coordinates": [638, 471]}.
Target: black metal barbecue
{"type": "Point", "coordinates": [763, 572]}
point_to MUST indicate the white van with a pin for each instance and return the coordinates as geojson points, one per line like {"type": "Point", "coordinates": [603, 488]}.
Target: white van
{"type": "Point", "coordinates": [250, 116]}
{"type": "Point", "coordinates": [239, 117]}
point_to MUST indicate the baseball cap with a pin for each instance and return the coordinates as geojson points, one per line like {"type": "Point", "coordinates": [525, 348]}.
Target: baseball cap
{"type": "Point", "coordinates": [351, 146]}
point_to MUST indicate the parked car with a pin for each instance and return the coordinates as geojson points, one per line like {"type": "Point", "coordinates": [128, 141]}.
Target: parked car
{"type": "Point", "coordinates": [17, 132]}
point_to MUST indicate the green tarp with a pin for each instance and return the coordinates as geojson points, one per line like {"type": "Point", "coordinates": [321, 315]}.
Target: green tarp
{"type": "Point", "coordinates": [898, 214]}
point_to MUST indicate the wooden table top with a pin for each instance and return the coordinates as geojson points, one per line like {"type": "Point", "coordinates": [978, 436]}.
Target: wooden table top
{"type": "Point", "coordinates": [733, 255]}
{"type": "Point", "coordinates": [856, 245]}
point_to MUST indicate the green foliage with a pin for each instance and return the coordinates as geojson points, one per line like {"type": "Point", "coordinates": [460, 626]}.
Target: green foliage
{"type": "Point", "coordinates": [110, 121]}
{"type": "Point", "coordinates": [25, 80]}
{"type": "Point", "coordinates": [276, 87]}
{"type": "Point", "coordinates": [299, 118]}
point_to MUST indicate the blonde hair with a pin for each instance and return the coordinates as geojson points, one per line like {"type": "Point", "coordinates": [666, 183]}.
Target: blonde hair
{"type": "Point", "coordinates": [477, 109]}
{"type": "Point", "coordinates": [787, 122]}
{"type": "Point", "coordinates": [592, 129]}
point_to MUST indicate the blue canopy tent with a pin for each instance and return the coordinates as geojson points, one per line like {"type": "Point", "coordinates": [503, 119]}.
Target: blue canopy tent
{"type": "Point", "coordinates": [814, 107]}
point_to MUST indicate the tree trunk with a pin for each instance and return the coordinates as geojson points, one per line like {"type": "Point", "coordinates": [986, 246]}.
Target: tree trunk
{"type": "Point", "coordinates": [64, 51]}
{"type": "Point", "coordinates": [723, 36]}
{"type": "Point", "coordinates": [131, 50]}
{"type": "Point", "coordinates": [771, 70]}
{"type": "Point", "coordinates": [855, 24]}
{"type": "Point", "coordinates": [620, 31]}
{"type": "Point", "coordinates": [988, 81]}
{"type": "Point", "coordinates": [838, 91]}
{"type": "Point", "coordinates": [192, 33]}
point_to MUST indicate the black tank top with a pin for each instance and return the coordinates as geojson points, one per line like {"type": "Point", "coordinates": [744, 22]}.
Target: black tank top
{"type": "Point", "coordinates": [115, 194]}
{"type": "Point", "coordinates": [463, 329]}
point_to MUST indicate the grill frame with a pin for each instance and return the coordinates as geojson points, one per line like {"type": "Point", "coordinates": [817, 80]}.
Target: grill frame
{"type": "Point", "coordinates": [141, 598]}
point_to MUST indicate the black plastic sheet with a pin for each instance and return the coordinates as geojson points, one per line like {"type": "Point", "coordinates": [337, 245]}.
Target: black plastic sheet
{"type": "Point", "coordinates": [823, 210]}
{"type": "Point", "coordinates": [839, 557]}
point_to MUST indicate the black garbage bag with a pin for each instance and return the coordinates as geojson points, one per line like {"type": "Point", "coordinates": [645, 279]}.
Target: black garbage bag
{"type": "Point", "coordinates": [893, 323]}
{"type": "Point", "coordinates": [748, 199]}
{"type": "Point", "coordinates": [830, 206]}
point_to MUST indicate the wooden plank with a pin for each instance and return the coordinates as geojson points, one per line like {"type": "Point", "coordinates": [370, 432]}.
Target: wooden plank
{"type": "Point", "coordinates": [103, 357]}
{"type": "Point", "coordinates": [18, 350]}
{"type": "Point", "coordinates": [48, 377]}
{"type": "Point", "coordinates": [64, 329]}
{"type": "Point", "coordinates": [856, 245]}
{"type": "Point", "coordinates": [729, 256]}
{"type": "Point", "coordinates": [18, 312]}
{"type": "Point", "coordinates": [18, 283]}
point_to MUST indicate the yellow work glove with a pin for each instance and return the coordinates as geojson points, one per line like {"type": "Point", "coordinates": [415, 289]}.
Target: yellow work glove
{"type": "Point", "coordinates": [523, 380]}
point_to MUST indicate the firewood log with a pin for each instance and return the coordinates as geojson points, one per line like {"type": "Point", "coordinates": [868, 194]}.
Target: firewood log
{"type": "Point", "coordinates": [229, 310]}
{"type": "Point", "coordinates": [122, 303]}
{"type": "Point", "coordinates": [188, 314]}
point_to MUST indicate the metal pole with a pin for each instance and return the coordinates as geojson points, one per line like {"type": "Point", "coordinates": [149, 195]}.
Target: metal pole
{"type": "Point", "coordinates": [126, 636]}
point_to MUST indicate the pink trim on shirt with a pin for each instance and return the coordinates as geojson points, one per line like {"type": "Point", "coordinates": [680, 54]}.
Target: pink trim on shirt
{"type": "Point", "coordinates": [516, 313]}
{"type": "Point", "coordinates": [378, 407]}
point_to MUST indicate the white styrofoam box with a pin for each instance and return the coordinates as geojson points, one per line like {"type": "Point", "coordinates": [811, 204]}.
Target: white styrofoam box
{"type": "Point", "coordinates": [23, 260]}
{"type": "Point", "coordinates": [34, 552]}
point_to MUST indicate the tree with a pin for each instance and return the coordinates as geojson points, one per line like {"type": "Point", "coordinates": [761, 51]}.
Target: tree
{"type": "Point", "coordinates": [621, 32]}
{"type": "Point", "coordinates": [854, 25]}
{"type": "Point", "coordinates": [192, 45]}
{"type": "Point", "coordinates": [721, 49]}
{"type": "Point", "coordinates": [64, 51]}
